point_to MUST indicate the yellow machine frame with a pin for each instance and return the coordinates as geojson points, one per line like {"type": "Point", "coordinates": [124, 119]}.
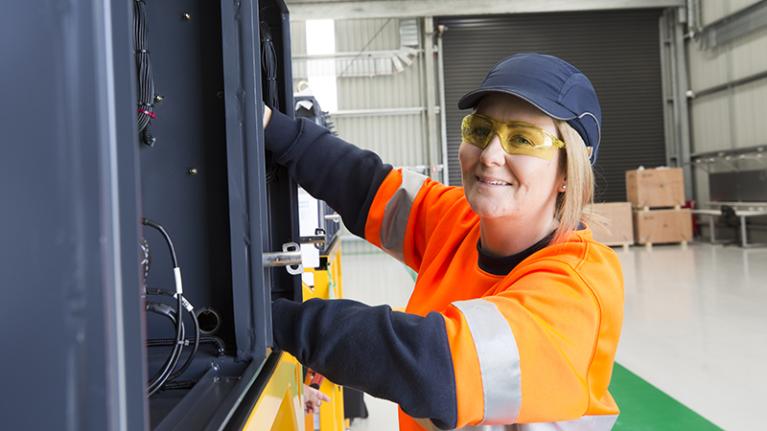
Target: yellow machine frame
{"type": "Point", "coordinates": [327, 285]}
{"type": "Point", "coordinates": [280, 407]}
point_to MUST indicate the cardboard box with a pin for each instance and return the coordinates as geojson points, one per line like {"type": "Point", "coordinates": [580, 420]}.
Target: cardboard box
{"type": "Point", "coordinates": [663, 226]}
{"type": "Point", "coordinates": [611, 223]}
{"type": "Point", "coordinates": [661, 187]}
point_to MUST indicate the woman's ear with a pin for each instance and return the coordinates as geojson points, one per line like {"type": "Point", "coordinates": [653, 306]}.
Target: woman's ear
{"type": "Point", "coordinates": [563, 186]}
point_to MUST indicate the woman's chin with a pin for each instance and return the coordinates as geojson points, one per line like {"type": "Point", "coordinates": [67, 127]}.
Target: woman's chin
{"type": "Point", "coordinates": [490, 210]}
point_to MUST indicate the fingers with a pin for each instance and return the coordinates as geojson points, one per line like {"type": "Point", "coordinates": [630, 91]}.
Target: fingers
{"type": "Point", "coordinates": [313, 399]}
{"type": "Point", "coordinates": [267, 116]}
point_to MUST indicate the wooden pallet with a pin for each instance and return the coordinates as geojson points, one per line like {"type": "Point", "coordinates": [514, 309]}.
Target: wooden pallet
{"type": "Point", "coordinates": [675, 207]}
{"type": "Point", "coordinates": [648, 245]}
{"type": "Point", "coordinates": [625, 245]}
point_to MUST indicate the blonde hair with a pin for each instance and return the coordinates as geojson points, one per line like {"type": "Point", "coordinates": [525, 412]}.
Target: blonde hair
{"type": "Point", "coordinates": [574, 163]}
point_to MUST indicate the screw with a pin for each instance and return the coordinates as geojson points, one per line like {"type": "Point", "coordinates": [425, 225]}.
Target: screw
{"type": "Point", "coordinates": [215, 366]}
{"type": "Point", "coordinates": [187, 16]}
{"type": "Point", "coordinates": [158, 98]}
{"type": "Point", "coordinates": [192, 171]}
{"type": "Point", "coordinates": [220, 94]}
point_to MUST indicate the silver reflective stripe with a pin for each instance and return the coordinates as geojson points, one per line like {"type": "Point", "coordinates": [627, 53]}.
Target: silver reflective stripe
{"type": "Point", "coordinates": [586, 423]}
{"type": "Point", "coordinates": [397, 213]}
{"type": "Point", "coordinates": [498, 360]}
{"type": "Point", "coordinates": [490, 428]}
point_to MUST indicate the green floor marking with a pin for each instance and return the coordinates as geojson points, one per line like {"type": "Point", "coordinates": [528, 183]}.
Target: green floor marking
{"type": "Point", "coordinates": [645, 407]}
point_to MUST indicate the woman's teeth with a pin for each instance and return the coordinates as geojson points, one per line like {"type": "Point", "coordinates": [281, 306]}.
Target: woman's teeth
{"type": "Point", "coordinates": [493, 182]}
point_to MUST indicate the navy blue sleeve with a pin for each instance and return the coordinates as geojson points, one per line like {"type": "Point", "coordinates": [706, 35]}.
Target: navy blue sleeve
{"type": "Point", "coordinates": [397, 356]}
{"type": "Point", "coordinates": [330, 169]}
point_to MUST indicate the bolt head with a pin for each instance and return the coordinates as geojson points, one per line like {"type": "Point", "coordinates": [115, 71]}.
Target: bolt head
{"type": "Point", "coordinates": [187, 16]}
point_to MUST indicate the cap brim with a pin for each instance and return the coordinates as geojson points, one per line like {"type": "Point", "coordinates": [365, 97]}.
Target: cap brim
{"type": "Point", "coordinates": [549, 107]}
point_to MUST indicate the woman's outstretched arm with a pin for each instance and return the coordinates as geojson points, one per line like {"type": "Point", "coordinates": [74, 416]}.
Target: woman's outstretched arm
{"type": "Point", "coordinates": [341, 174]}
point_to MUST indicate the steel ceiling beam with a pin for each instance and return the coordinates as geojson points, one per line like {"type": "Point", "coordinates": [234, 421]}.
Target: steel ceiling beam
{"type": "Point", "coordinates": [343, 9]}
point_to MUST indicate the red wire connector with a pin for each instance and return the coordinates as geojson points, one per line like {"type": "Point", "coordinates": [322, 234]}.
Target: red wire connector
{"type": "Point", "coordinates": [151, 114]}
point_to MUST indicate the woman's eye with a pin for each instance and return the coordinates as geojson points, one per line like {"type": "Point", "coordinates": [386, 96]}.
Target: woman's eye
{"type": "Point", "coordinates": [480, 132]}
{"type": "Point", "coordinates": [520, 140]}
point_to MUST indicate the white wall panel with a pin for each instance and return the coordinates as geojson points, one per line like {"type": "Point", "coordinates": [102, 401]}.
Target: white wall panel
{"type": "Point", "coordinates": [707, 67]}
{"type": "Point", "coordinates": [717, 9]}
{"type": "Point", "coordinates": [730, 118]}
{"type": "Point", "coordinates": [736, 5]}
{"type": "Point", "coordinates": [745, 57]}
{"type": "Point", "coordinates": [298, 37]}
{"type": "Point", "coordinates": [400, 90]}
{"type": "Point", "coordinates": [353, 34]}
{"type": "Point", "coordinates": [712, 10]}
{"type": "Point", "coordinates": [750, 114]}
{"type": "Point", "coordinates": [711, 124]}
{"type": "Point", "coordinates": [749, 55]}
{"type": "Point", "coordinates": [398, 139]}
{"type": "Point", "coordinates": [298, 48]}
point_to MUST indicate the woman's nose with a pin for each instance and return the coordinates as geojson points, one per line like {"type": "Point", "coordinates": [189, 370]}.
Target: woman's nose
{"type": "Point", "coordinates": [493, 154]}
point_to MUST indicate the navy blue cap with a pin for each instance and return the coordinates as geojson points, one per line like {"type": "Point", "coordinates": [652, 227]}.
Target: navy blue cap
{"type": "Point", "coordinates": [552, 85]}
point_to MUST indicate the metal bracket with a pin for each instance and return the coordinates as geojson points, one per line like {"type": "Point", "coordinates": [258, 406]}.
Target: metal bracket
{"type": "Point", "coordinates": [290, 258]}
{"type": "Point", "coordinates": [335, 218]}
{"type": "Point", "coordinates": [318, 239]}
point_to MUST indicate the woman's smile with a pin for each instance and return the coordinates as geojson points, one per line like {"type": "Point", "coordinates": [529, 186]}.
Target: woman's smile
{"type": "Point", "coordinates": [492, 181]}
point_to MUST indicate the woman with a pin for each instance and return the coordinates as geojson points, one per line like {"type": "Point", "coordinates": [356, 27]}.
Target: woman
{"type": "Point", "coordinates": [516, 312]}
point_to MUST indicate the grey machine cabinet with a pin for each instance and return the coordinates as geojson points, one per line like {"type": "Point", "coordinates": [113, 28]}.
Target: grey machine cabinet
{"type": "Point", "coordinates": [78, 179]}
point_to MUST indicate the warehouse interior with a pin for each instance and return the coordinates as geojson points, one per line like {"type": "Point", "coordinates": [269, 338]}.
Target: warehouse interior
{"type": "Point", "coordinates": [104, 201]}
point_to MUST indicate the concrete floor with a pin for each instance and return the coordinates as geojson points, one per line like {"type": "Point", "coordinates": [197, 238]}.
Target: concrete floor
{"type": "Point", "coordinates": [695, 324]}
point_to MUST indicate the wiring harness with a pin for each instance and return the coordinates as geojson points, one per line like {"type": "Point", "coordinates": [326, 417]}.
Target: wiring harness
{"type": "Point", "coordinates": [269, 71]}
{"type": "Point", "coordinates": [168, 371]}
{"type": "Point", "coordinates": [146, 87]}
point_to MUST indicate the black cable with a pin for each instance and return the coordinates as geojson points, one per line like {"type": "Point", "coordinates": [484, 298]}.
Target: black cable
{"type": "Point", "coordinates": [165, 342]}
{"type": "Point", "coordinates": [186, 384]}
{"type": "Point", "coordinates": [146, 86]}
{"type": "Point", "coordinates": [271, 98]}
{"type": "Point", "coordinates": [164, 373]}
{"type": "Point", "coordinates": [176, 354]}
{"type": "Point", "coordinates": [195, 346]}
{"type": "Point", "coordinates": [145, 221]}
{"type": "Point", "coordinates": [196, 324]}
{"type": "Point", "coordinates": [269, 66]}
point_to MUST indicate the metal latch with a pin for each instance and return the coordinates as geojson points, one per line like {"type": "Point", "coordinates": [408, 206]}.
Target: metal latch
{"type": "Point", "coordinates": [289, 257]}
{"type": "Point", "coordinates": [318, 239]}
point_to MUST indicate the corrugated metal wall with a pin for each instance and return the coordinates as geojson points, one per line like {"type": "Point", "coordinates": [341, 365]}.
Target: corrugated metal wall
{"type": "Point", "coordinates": [733, 118]}
{"type": "Point", "coordinates": [384, 112]}
{"type": "Point", "coordinates": [618, 50]}
{"type": "Point", "coordinates": [367, 117]}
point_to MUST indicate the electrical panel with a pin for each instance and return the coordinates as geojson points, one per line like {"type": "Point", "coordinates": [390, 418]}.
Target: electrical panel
{"type": "Point", "coordinates": [145, 188]}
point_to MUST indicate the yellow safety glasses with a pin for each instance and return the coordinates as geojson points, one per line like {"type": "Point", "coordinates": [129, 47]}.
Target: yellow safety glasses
{"type": "Point", "coordinates": [517, 137]}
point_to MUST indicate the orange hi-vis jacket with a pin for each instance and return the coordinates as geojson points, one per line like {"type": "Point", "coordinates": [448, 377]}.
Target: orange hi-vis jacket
{"type": "Point", "coordinates": [527, 347]}
{"type": "Point", "coordinates": [535, 345]}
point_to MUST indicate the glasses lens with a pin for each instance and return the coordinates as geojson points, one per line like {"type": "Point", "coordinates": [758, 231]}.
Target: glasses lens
{"type": "Point", "coordinates": [476, 130]}
{"type": "Point", "coordinates": [520, 139]}
{"type": "Point", "coordinates": [525, 139]}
